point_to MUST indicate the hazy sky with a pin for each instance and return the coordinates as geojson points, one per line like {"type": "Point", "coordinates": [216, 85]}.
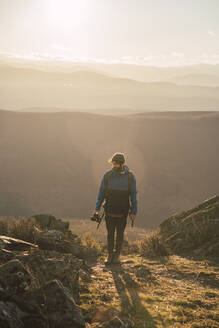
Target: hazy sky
{"type": "Point", "coordinates": [159, 32]}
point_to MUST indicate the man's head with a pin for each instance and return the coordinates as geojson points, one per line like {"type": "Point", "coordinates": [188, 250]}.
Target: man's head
{"type": "Point", "coordinates": [117, 160]}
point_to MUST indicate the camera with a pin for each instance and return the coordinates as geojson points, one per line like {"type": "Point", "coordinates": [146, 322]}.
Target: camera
{"type": "Point", "coordinates": [95, 218]}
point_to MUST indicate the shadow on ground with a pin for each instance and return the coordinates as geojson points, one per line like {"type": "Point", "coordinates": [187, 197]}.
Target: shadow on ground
{"type": "Point", "coordinates": [128, 292]}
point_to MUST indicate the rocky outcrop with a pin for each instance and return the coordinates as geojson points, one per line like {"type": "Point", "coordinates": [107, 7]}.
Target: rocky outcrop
{"type": "Point", "coordinates": [51, 305]}
{"type": "Point", "coordinates": [39, 283]}
{"type": "Point", "coordinates": [56, 240]}
{"type": "Point", "coordinates": [195, 230]}
{"type": "Point", "coordinates": [48, 265]}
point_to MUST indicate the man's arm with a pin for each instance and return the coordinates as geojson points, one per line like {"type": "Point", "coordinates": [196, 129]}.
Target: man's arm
{"type": "Point", "coordinates": [100, 196]}
{"type": "Point", "coordinates": [133, 196]}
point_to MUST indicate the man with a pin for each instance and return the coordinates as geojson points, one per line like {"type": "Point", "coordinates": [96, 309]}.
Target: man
{"type": "Point", "coordinates": [117, 187]}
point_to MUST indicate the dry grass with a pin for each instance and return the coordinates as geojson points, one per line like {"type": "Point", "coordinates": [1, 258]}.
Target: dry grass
{"type": "Point", "coordinates": [153, 245]}
{"type": "Point", "coordinates": [19, 228]}
{"type": "Point", "coordinates": [80, 226]}
{"type": "Point", "coordinates": [171, 296]}
{"type": "Point", "coordinates": [89, 241]}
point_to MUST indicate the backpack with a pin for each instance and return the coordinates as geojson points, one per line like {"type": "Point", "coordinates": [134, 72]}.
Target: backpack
{"type": "Point", "coordinates": [108, 176]}
{"type": "Point", "coordinates": [121, 206]}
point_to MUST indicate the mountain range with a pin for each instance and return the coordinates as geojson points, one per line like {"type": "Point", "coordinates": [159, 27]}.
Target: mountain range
{"type": "Point", "coordinates": [86, 89]}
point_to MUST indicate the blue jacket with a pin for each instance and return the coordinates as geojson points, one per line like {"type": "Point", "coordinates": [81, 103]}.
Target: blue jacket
{"type": "Point", "coordinates": [119, 180]}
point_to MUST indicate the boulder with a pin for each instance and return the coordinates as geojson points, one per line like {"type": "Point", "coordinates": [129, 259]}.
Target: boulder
{"type": "Point", "coordinates": [50, 222]}
{"type": "Point", "coordinates": [54, 302]}
{"type": "Point", "coordinates": [50, 265]}
{"type": "Point", "coordinates": [55, 240]}
{"type": "Point", "coordinates": [14, 278]}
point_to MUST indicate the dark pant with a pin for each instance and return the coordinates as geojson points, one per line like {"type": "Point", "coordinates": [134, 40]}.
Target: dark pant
{"type": "Point", "coordinates": [119, 225]}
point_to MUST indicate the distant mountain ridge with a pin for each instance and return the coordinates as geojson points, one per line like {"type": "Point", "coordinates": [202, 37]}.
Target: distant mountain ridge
{"type": "Point", "coordinates": [209, 80]}
{"type": "Point", "coordinates": [86, 89]}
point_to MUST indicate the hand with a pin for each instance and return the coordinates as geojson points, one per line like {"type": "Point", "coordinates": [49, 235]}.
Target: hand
{"type": "Point", "coordinates": [132, 216]}
{"type": "Point", "coordinates": [96, 212]}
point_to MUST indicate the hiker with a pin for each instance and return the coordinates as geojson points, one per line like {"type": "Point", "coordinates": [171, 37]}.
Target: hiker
{"type": "Point", "coordinates": [117, 187]}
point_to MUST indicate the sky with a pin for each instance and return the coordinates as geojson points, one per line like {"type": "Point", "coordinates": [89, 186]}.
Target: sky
{"type": "Point", "coordinates": [158, 32]}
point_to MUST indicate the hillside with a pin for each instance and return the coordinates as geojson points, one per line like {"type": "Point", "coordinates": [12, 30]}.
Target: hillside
{"type": "Point", "coordinates": [196, 229]}
{"type": "Point", "coordinates": [197, 79]}
{"type": "Point", "coordinates": [154, 286]}
{"type": "Point", "coordinates": [48, 160]}
{"type": "Point", "coordinates": [92, 89]}
{"type": "Point", "coordinates": [141, 73]}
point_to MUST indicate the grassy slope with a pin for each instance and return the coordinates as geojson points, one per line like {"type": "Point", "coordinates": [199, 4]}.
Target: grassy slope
{"type": "Point", "coordinates": [178, 292]}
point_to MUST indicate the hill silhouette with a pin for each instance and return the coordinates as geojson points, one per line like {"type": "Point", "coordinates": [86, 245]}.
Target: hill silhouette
{"type": "Point", "coordinates": [197, 79]}
{"type": "Point", "coordinates": [88, 89]}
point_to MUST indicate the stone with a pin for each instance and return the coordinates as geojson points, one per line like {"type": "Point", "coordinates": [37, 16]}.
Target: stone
{"type": "Point", "coordinates": [115, 322]}
{"type": "Point", "coordinates": [14, 278]}
{"type": "Point", "coordinates": [55, 240]}
{"type": "Point", "coordinates": [58, 305]}
{"type": "Point", "coordinates": [5, 255]}
{"type": "Point", "coordinates": [143, 272]}
{"type": "Point", "coordinates": [50, 265]}
{"type": "Point", "coordinates": [15, 244]}
{"type": "Point", "coordinates": [11, 316]}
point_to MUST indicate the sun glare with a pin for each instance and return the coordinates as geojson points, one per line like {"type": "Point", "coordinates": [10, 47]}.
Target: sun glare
{"type": "Point", "coordinates": [67, 12]}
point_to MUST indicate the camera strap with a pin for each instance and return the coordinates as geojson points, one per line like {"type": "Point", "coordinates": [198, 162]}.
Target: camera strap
{"type": "Point", "coordinates": [101, 217]}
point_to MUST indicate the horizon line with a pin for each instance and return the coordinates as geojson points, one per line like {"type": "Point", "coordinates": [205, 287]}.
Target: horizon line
{"type": "Point", "coordinates": [125, 60]}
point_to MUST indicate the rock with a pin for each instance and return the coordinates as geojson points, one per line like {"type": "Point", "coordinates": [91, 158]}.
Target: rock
{"type": "Point", "coordinates": [195, 228]}
{"type": "Point", "coordinates": [54, 302]}
{"type": "Point", "coordinates": [10, 316]}
{"type": "Point", "coordinates": [113, 323]}
{"type": "Point", "coordinates": [15, 244]}
{"type": "Point", "coordinates": [50, 265]}
{"type": "Point", "coordinates": [14, 278]}
{"type": "Point", "coordinates": [39, 284]}
{"type": "Point", "coordinates": [55, 240]}
{"type": "Point", "coordinates": [61, 307]}
{"type": "Point", "coordinates": [50, 222]}
{"type": "Point", "coordinates": [6, 255]}
{"type": "Point", "coordinates": [143, 272]}
{"type": "Point", "coordinates": [86, 277]}
{"type": "Point", "coordinates": [105, 297]}
{"type": "Point", "coordinates": [210, 248]}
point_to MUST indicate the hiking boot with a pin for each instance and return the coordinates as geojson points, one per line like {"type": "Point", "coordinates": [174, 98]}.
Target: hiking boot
{"type": "Point", "coordinates": [116, 258]}
{"type": "Point", "coordinates": [109, 258]}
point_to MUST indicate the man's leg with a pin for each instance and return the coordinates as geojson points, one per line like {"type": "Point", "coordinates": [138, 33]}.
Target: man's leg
{"type": "Point", "coordinates": [110, 225]}
{"type": "Point", "coordinates": [120, 228]}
